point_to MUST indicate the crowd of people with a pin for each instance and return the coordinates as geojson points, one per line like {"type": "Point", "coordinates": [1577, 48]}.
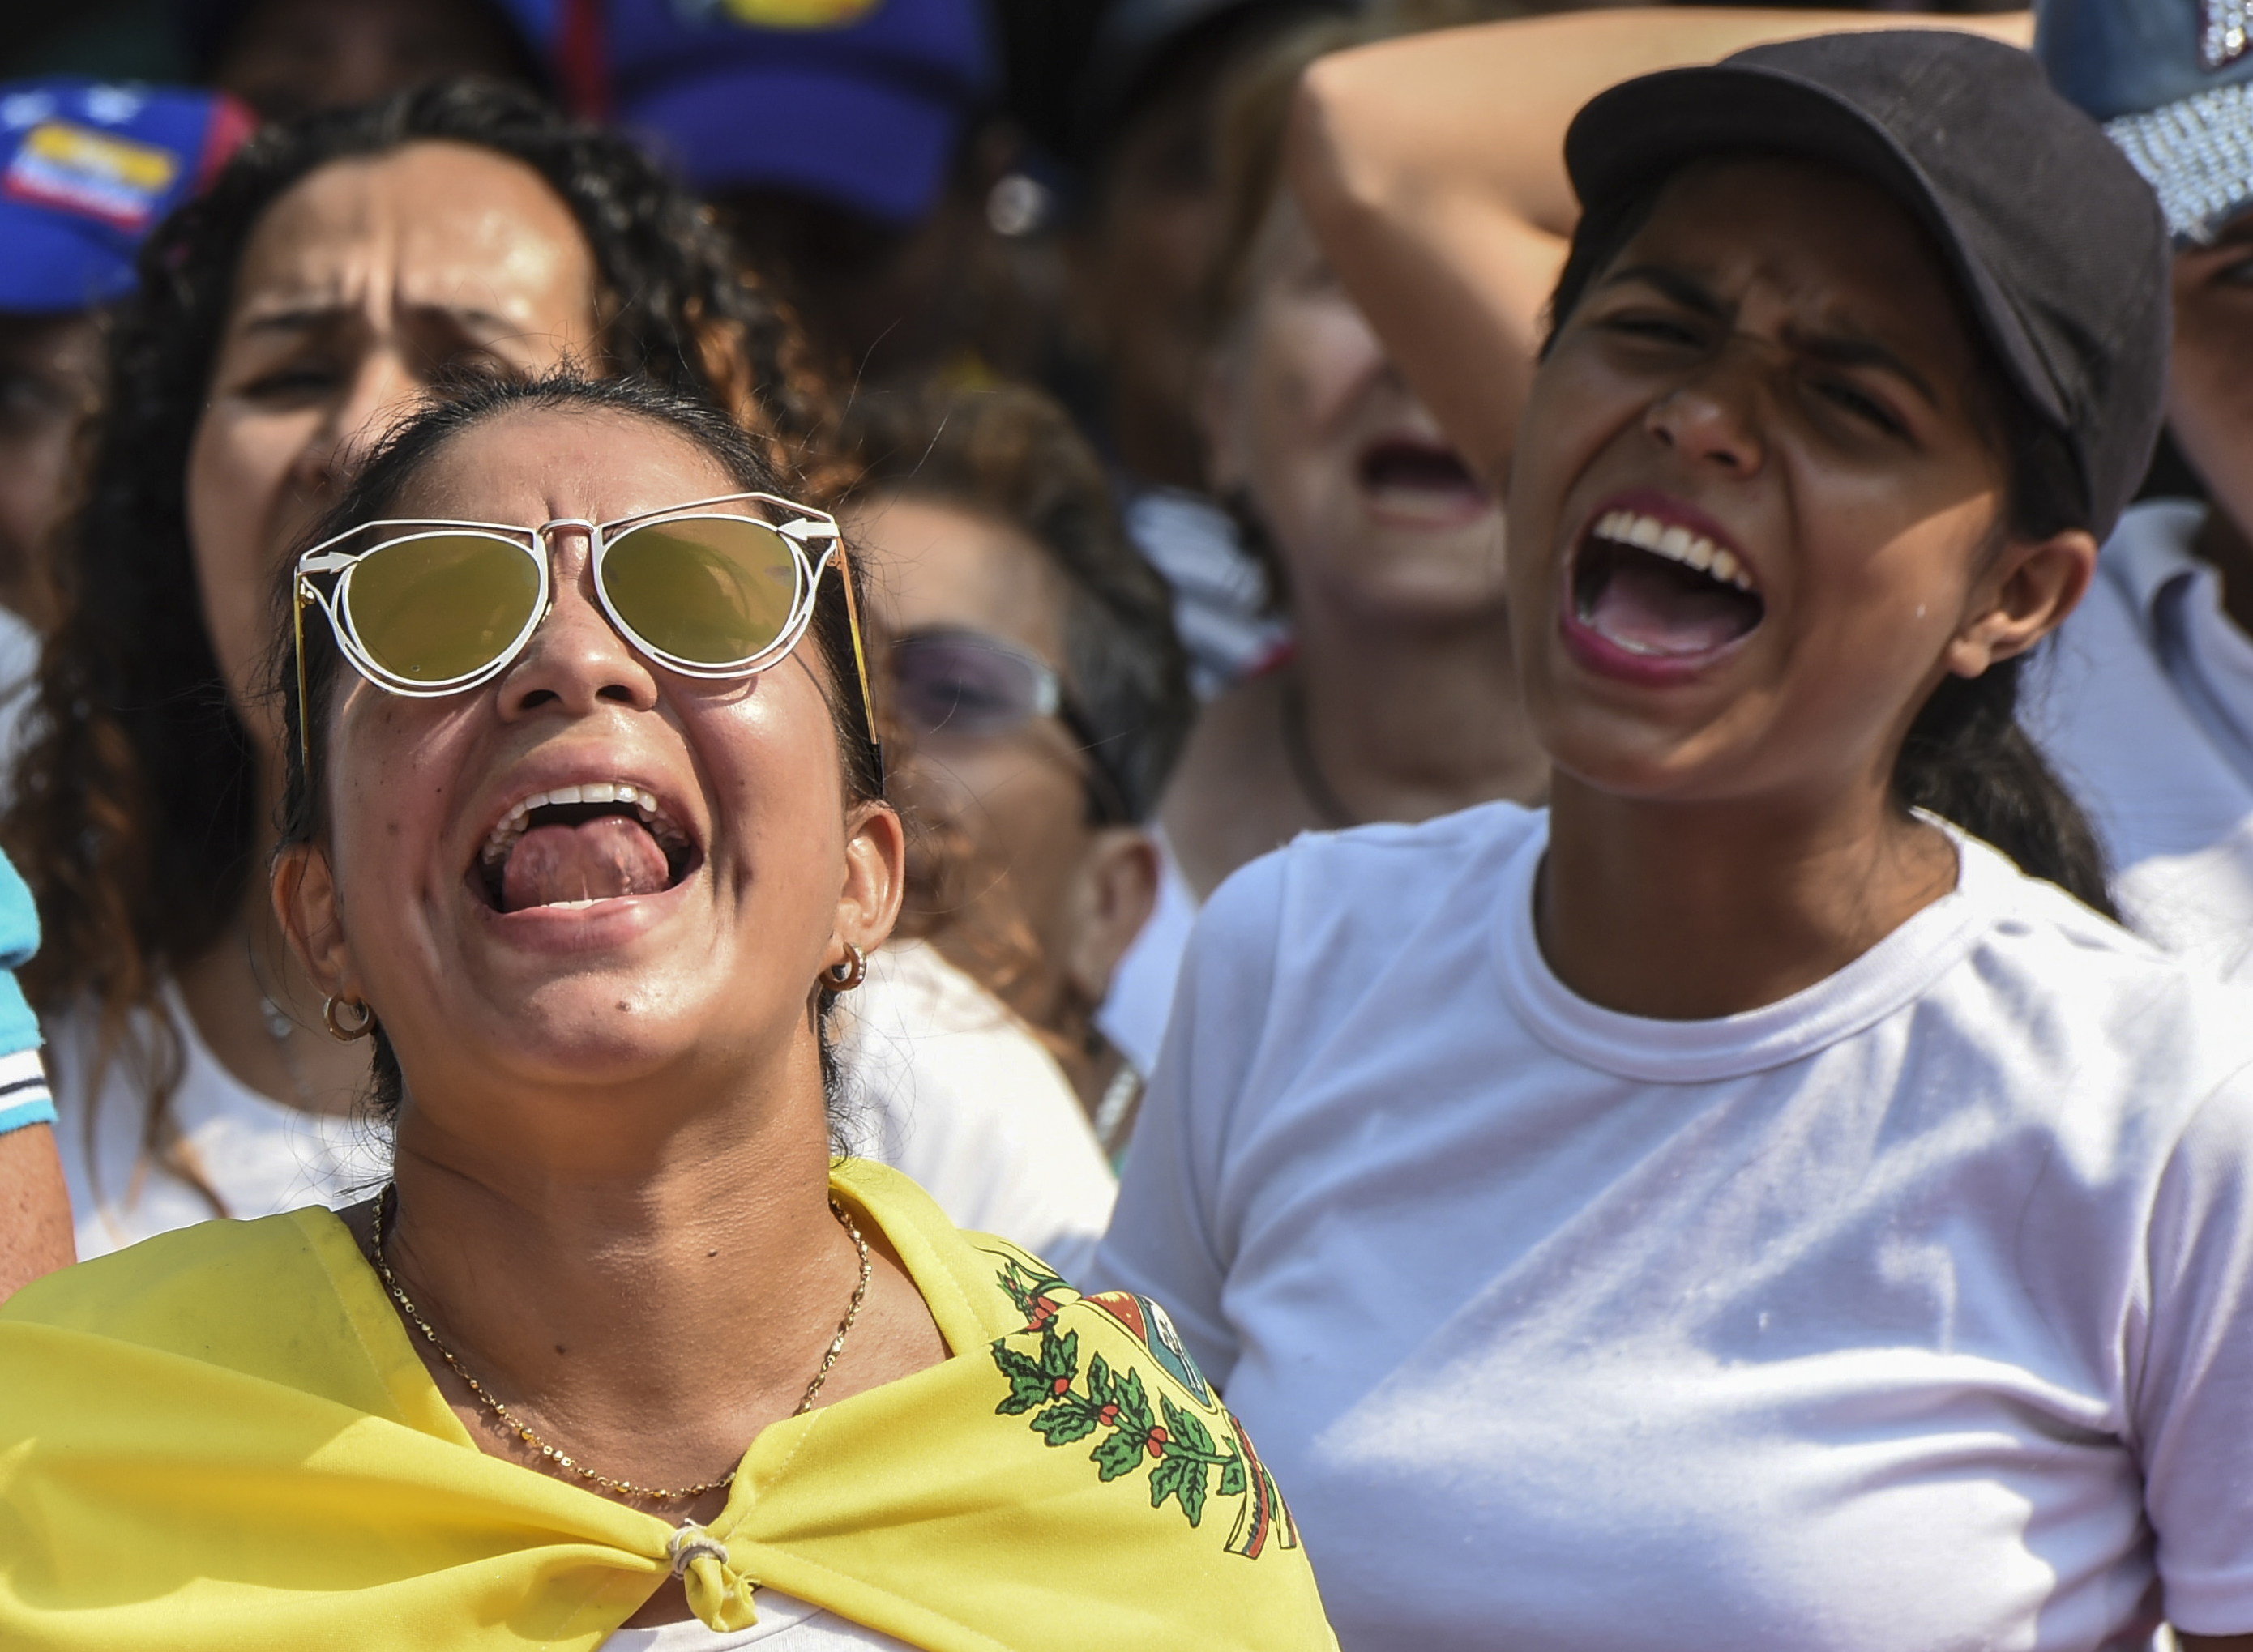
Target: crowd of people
{"type": "Point", "coordinates": [797, 791]}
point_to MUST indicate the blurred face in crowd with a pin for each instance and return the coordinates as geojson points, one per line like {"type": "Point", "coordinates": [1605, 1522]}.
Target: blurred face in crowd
{"type": "Point", "coordinates": [358, 286]}
{"type": "Point", "coordinates": [1756, 513]}
{"type": "Point", "coordinates": [2210, 385]}
{"type": "Point", "coordinates": [1019, 796]}
{"type": "Point", "coordinates": [1138, 267]}
{"type": "Point", "coordinates": [1373, 517]}
{"type": "Point", "coordinates": [50, 374]}
{"type": "Point", "coordinates": [877, 301]}
{"type": "Point", "coordinates": [285, 58]}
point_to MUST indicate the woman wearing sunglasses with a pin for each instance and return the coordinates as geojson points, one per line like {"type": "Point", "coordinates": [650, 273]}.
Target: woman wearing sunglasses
{"type": "Point", "coordinates": [1761, 1200]}
{"type": "Point", "coordinates": [337, 266]}
{"type": "Point", "coordinates": [586, 836]}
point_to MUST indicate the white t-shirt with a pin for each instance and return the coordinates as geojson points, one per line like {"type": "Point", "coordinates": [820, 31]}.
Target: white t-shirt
{"type": "Point", "coordinates": [257, 1155]}
{"type": "Point", "coordinates": [786, 1624]}
{"type": "Point", "coordinates": [1141, 996]}
{"type": "Point", "coordinates": [1898, 1315]}
{"type": "Point", "coordinates": [19, 661]}
{"type": "Point", "coordinates": [2145, 704]}
{"type": "Point", "coordinates": [957, 1093]}
{"type": "Point", "coordinates": [960, 1096]}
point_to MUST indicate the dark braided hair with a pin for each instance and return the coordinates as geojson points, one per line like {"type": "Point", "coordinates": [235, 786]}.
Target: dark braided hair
{"type": "Point", "coordinates": [134, 812]}
{"type": "Point", "coordinates": [386, 475]}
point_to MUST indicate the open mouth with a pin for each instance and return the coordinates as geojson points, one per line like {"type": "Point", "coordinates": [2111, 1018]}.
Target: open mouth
{"type": "Point", "coordinates": [1420, 479]}
{"type": "Point", "coordinates": [1662, 590]}
{"type": "Point", "coordinates": [574, 846]}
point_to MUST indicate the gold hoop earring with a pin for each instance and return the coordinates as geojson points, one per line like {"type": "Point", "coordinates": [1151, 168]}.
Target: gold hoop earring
{"type": "Point", "coordinates": [337, 1030]}
{"type": "Point", "coordinates": [843, 978]}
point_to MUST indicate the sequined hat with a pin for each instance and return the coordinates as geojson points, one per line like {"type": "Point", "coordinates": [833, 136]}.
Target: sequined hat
{"type": "Point", "coordinates": [2173, 82]}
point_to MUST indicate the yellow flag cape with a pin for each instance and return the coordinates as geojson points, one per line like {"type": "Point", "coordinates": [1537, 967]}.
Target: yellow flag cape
{"type": "Point", "coordinates": [221, 1439]}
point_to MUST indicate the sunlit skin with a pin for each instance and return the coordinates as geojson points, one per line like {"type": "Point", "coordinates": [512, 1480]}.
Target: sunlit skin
{"type": "Point", "coordinates": [1082, 891]}
{"type": "Point", "coordinates": [1779, 349]}
{"type": "Point", "coordinates": [1393, 558]}
{"type": "Point", "coordinates": [35, 1214]}
{"type": "Point", "coordinates": [1303, 401]}
{"type": "Point", "coordinates": [2210, 398]}
{"type": "Point", "coordinates": [285, 58]}
{"type": "Point", "coordinates": [613, 1154]}
{"type": "Point", "coordinates": [49, 376]}
{"type": "Point", "coordinates": [357, 286]}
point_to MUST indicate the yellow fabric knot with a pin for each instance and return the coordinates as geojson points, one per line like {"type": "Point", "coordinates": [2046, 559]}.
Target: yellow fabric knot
{"type": "Point", "coordinates": [718, 1594]}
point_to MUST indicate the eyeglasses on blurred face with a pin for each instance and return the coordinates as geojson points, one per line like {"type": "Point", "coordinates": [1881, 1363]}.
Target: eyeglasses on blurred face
{"type": "Point", "coordinates": [951, 683]}
{"type": "Point", "coordinates": [428, 607]}
{"type": "Point", "coordinates": [947, 681]}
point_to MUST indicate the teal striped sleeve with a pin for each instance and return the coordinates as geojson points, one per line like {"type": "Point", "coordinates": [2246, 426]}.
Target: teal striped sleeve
{"type": "Point", "coordinates": [24, 1097]}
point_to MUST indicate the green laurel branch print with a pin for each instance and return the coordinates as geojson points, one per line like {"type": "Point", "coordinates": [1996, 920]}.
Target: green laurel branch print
{"type": "Point", "coordinates": [1064, 1405]}
{"type": "Point", "coordinates": [1127, 1428]}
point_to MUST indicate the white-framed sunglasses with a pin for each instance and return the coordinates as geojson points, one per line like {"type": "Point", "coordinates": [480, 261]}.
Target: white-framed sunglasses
{"type": "Point", "coordinates": [428, 607]}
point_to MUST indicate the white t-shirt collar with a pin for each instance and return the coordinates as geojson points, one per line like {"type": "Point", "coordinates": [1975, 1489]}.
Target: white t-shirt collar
{"type": "Point", "coordinates": [1892, 973]}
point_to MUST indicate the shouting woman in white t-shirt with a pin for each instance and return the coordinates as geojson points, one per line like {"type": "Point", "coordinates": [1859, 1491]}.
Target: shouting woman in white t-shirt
{"type": "Point", "coordinates": [1751, 1203]}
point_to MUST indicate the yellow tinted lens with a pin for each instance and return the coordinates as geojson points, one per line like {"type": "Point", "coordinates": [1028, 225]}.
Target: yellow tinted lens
{"type": "Point", "coordinates": [708, 590]}
{"type": "Point", "coordinates": [439, 607]}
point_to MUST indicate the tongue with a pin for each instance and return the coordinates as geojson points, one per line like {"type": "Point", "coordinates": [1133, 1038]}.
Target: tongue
{"type": "Point", "coordinates": [1658, 607]}
{"type": "Point", "coordinates": [596, 860]}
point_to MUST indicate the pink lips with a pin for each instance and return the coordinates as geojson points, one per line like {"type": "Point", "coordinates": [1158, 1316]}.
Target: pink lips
{"type": "Point", "coordinates": [591, 929]}
{"type": "Point", "coordinates": [1602, 655]}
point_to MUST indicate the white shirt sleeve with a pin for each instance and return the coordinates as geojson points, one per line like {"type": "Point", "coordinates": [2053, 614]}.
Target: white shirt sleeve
{"type": "Point", "coordinates": [2190, 1368]}
{"type": "Point", "coordinates": [961, 1097]}
{"type": "Point", "coordinates": [1167, 1240]}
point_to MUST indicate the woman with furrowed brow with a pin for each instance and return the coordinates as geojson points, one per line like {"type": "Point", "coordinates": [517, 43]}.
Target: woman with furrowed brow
{"type": "Point", "coordinates": [1763, 1199]}
{"type": "Point", "coordinates": [585, 834]}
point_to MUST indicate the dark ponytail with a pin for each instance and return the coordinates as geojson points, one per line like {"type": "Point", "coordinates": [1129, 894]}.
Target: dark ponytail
{"type": "Point", "coordinates": [1966, 759]}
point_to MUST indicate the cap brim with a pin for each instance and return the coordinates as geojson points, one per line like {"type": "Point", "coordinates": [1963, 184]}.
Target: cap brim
{"type": "Point", "coordinates": [877, 149]}
{"type": "Point", "coordinates": [55, 266]}
{"type": "Point", "coordinates": [1628, 137]}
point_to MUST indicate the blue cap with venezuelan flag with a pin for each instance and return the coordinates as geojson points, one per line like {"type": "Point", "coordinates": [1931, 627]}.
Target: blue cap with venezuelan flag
{"type": "Point", "coordinates": [88, 168]}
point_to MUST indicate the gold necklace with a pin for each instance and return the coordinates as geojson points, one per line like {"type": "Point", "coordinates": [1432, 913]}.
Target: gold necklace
{"type": "Point", "coordinates": [616, 1488]}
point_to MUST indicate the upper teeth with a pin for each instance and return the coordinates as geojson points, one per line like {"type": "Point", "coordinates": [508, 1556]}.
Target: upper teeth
{"type": "Point", "coordinates": [645, 805]}
{"type": "Point", "coordinates": [1676, 543]}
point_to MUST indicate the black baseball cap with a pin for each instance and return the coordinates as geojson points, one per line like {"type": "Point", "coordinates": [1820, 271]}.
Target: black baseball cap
{"type": "Point", "coordinates": [2058, 245]}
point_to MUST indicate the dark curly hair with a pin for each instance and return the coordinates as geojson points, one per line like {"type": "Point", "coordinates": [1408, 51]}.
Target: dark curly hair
{"type": "Point", "coordinates": [385, 477]}
{"type": "Point", "coordinates": [134, 812]}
